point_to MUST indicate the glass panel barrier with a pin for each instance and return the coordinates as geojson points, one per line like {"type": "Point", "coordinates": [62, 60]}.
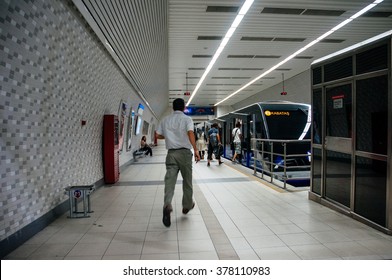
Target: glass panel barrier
{"type": "Point", "coordinates": [370, 189]}
{"type": "Point", "coordinates": [339, 108]}
{"type": "Point", "coordinates": [316, 171]}
{"type": "Point", "coordinates": [338, 177]}
{"type": "Point", "coordinates": [372, 115]}
{"type": "Point", "coordinates": [317, 111]}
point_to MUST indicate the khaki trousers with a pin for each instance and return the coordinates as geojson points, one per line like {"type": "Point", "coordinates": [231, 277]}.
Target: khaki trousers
{"type": "Point", "coordinates": [179, 160]}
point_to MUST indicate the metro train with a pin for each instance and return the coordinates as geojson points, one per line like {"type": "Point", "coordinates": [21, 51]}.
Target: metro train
{"type": "Point", "coordinates": [274, 120]}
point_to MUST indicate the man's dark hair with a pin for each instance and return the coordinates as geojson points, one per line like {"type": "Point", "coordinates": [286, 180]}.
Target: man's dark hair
{"type": "Point", "coordinates": [179, 104]}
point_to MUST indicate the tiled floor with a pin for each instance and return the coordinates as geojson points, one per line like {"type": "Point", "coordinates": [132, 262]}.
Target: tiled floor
{"type": "Point", "coordinates": [236, 217]}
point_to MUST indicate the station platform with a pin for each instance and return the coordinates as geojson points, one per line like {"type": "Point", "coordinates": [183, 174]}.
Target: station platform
{"type": "Point", "coordinates": [236, 217]}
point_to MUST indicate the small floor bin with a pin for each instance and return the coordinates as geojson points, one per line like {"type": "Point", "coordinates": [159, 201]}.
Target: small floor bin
{"type": "Point", "coordinates": [77, 193]}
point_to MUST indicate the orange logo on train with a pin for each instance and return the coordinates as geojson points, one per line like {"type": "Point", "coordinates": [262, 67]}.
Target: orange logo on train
{"type": "Point", "coordinates": [276, 113]}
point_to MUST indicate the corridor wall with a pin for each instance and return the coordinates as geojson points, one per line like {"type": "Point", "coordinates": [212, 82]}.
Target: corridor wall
{"type": "Point", "coordinates": [55, 75]}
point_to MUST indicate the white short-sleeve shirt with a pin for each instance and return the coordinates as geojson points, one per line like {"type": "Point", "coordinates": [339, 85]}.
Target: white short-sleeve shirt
{"type": "Point", "coordinates": [236, 134]}
{"type": "Point", "coordinates": [175, 130]}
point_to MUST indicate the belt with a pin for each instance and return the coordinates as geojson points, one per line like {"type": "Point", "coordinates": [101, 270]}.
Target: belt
{"type": "Point", "coordinates": [178, 149]}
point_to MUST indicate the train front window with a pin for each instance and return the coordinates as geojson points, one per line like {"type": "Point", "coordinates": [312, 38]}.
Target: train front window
{"type": "Point", "coordinates": [287, 124]}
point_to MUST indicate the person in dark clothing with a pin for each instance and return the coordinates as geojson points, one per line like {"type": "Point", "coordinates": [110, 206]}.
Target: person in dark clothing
{"type": "Point", "coordinates": [214, 144]}
{"type": "Point", "coordinates": [145, 147]}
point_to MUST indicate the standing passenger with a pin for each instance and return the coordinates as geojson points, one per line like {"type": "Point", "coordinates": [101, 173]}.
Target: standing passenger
{"type": "Point", "coordinates": [177, 130]}
{"type": "Point", "coordinates": [237, 136]}
{"type": "Point", "coordinates": [214, 144]}
{"type": "Point", "coordinates": [201, 142]}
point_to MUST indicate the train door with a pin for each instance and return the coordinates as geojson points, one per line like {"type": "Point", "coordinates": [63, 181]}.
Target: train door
{"type": "Point", "coordinates": [227, 139]}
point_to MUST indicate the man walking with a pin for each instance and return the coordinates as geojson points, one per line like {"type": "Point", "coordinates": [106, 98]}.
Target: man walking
{"type": "Point", "coordinates": [177, 130]}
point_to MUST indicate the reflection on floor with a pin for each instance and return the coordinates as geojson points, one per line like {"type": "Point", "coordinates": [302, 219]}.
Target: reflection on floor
{"type": "Point", "coordinates": [236, 217]}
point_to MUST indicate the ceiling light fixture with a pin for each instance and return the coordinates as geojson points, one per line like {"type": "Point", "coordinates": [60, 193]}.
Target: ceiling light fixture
{"type": "Point", "coordinates": [353, 47]}
{"type": "Point", "coordinates": [367, 8]}
{"type": "Point", "coordinates": [244, 9]}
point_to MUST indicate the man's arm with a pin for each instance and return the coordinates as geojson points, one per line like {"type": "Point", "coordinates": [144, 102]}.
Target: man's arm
{"type": "Point", "coordinates": [191, 137]}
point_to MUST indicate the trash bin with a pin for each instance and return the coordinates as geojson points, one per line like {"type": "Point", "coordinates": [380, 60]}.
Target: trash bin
{"type": "Point", "coordinates": [77, 193]}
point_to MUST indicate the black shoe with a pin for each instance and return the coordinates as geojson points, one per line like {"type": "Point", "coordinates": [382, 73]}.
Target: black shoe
{"type": "Point", "coordinates": [166, 216]}
{"type": "Point", "coordinates": [220, 162]}
{"type": "Point", "coordinates": [208, 164]}
{"type": "Point", "coordinates": [186, 210]}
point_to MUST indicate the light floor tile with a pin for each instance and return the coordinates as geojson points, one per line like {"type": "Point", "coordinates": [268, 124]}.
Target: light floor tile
{"type": "Point", "coordinates": [39, 238]}
{"type": "Point", "coordinates": [314, 252]}
{"type": "Point", "coordinates": [104, 228]}
{"type": "Point", "coordinates": [313, 226]}
{"type": "Point", "coordinates": [247, 254]}
{"type": "Point", "coordinates": [121, 257]}
{"type": "Point", "coordinates": [200, 245]}
{"type": "Point", "coordinates": [235, 217]}
{"type": "Point", "coordinates": [298, 239]}
{"type": "Point", "coordinates": [193, 234]}
{"type": "Point", "coordinates": [160, 247]}
{"type": "Point", "coordinates": [381, 247]}
{"type": "Point", "coordinates": [240, 243]}
{"type": "Point", "coordinates": [127, 227]}
{"type": "Point", "coordinates": [51, 251]}
{"type": "Point", "coordinates": [209, 255]}
{"type": "Point", "coordinates": [97, 237]}
{"type": "Point", "coordinates": [351, 250]}
{"type": "Point", "coordinates": [329, 236]}
{"type": "Point", "coordinates": [277, 253]}
{"type": "Point", "coordinates": [285, 228]}
{"type": "Point", "coordinates": [129, 237]}
{"type": "Point", "coordinates": [164, 235]}
{"type": "Point", "coordinates": [254, 231]}
{"type": "Point", "coordinates": [23, 252]}
{"type": "Point", "coordinates": [65, 238]}
{"type": "Point", "coordinates": [129, 248]}
{"type": "Point", "coordinates": [93, 257]}
{"type": "Point", "coordinates": [265, 241]}
{"type": "Point", "coordinates": [171, 256]}
{"type": "Point", "coordinates": [86, 249]}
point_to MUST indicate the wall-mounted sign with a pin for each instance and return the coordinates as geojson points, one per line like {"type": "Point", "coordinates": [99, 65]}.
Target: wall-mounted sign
{"type": "Point", "coordinates": [338, 103]}
{"type": "Point", "coordinates": [199, 111]}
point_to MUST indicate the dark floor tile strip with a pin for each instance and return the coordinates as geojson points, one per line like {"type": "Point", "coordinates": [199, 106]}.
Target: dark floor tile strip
{"type": "Point", "coordinates": [222, 244]}
{"type": "Point", "coordinates": [147, 163]}
{"type": "Point", "coordinates": [179, 182]}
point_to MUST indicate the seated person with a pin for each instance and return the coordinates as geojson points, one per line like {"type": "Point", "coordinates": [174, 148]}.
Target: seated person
{"type": "Point", "coordinates": [145, 147]}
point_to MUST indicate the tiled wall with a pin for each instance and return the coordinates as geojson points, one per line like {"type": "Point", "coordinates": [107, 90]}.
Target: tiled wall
{"type": "Point", "coordinates": [54, 73]}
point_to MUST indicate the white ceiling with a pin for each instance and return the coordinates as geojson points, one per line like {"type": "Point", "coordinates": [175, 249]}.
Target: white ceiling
{"type": "Point", "coordinates": [160, 42]}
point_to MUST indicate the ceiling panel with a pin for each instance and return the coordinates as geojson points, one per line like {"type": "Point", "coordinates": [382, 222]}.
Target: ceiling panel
{"type": "Point", "coordinates": [312, 19]}
{"type": "Point", "coordinates": [137, 33]}
{"type": "Point", "coordinates": [161, 42]}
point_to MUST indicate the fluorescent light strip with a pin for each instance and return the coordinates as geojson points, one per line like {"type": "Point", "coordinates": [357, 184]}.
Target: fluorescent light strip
{"type": "Point", "coordinates": [353, 47]}
{"type": "Point", "coordinates": [244, 9]}
{"type": "Point", "coordinates": [367, 8]}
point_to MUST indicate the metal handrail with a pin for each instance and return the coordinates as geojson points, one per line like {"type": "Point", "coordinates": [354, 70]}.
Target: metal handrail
{"type": "Point", "coordinates": [269, 161]}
